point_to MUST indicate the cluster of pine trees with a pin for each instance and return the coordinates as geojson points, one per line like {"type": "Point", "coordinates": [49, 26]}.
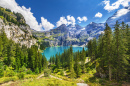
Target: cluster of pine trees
{"type": "Point", "coordinates": [112, 52]}
{"type": "Point", "coordinates": [6, 15]}
{"type": "Point", "coordinates": [16, 56]}
{"type": "Point", "coordinates": [73, 62]}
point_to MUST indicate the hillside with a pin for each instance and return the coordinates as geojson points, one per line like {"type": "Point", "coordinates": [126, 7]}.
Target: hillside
{"type": "Point", "coordinates": [16, 28]}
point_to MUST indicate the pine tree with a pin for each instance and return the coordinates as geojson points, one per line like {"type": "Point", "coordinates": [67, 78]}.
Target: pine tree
{"type": "Point", "coordinates": [90, 49]}
{"type": "Point", "coordinates": [1, 45]}
{"type": "Point", "coordinates": [108, 46]}
{"type": "Point", "coordinates": [5, 43]}
{"type": "Point", "coordinates": [71, 63]}
{"type": "Point", "coordinates": [83, 57]}
{"type": "Point", "coordinates": [77, 66]}
{"type": "Point", "coordinates": [120, 53]}
{"type": "Point", "coordinates": [57, 61]}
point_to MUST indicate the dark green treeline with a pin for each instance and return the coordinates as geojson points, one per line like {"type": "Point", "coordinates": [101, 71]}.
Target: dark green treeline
{"type": "Point", "coordinates": [73, 62]}
{"type": "Point", "coordinates": [16, 56]}
{"type": "Point", "coordinates": [112, 52]}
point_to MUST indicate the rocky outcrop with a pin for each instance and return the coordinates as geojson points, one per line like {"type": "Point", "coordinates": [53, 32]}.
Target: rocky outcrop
{"type": "Point", "coordinates": [19, 34]}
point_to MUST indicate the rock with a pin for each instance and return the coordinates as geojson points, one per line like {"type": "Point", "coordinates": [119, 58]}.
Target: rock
{"type": "Point", "coordinates": [19, 34]}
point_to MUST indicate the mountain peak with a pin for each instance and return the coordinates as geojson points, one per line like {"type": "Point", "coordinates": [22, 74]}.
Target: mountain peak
{"type": "Point", "coordinates": [92, 23]}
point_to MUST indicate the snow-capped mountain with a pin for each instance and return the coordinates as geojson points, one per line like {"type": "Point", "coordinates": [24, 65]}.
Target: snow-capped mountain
{"type": "Point", "coordinates": [77, 35]}
{"type": "Point", "coordinates": [120, 15]}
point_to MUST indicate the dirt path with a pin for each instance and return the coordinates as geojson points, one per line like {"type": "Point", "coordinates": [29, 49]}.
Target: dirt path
{"type": "Point", "coordinates": [8, 83]}
{"type": "Point", "coordinates": [55, 77]}
{"type": "Point", "coordinates": [11, 83]}
{"type": "Point", "coordinates": [82, 84]}
{"type": "Point", "coordinates": [40, 76]}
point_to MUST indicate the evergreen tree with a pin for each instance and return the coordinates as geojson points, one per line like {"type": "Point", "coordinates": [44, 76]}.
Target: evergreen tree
{"type": "Point", "coordinates": [108, 46]}
{"type": "Point", "coordinates": [120, 53]}
{"type": "Point", "coordinates": [83, 57]}
{"type": "Point", "coordinates": [57, 61]}
{"type": "Point", "coordinates": [1, 45]}
{"type": "Point", "coordinates": [71, 63]}
{"type": "Point", "coordinates": [77, 66]}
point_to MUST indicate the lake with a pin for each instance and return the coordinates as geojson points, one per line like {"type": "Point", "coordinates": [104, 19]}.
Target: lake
{"type": "Point", "coordinates": [50, 51]}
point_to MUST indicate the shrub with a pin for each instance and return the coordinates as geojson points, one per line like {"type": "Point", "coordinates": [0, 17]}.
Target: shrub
{"type": "Point", "coordinates": [23, 69]}
{"type": "Point", "coordinates": [29, 71]}
{"type": "Point", "coordinates": [47, 72]}
{"type": "Point", "coordinates": [21, 75]}
{"type": "Point", "coordinates": [37, 70]}
{"type": "Point", "coordinates": [1, 69]}
{"type": "Point", "coordinates": [61, 72]}
{"type": "Point", "coordinates": [9, 72]}
{"type": "Point", "coordinates": [56, 70]}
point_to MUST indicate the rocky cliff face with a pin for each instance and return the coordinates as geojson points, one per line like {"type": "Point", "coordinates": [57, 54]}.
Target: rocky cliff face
{"type": "Point", "coordinates": [19, 34]}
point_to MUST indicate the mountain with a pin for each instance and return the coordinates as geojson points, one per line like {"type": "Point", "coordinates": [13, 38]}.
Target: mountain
{"type": "Point", "coordinates": [77, 35]}
{"type": "Point", "coordinates": [15, 27]}
{"type": "Point", "coordinates": [120, 15]}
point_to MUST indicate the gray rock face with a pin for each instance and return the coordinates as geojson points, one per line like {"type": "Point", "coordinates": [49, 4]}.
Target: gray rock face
{"type": "Point", "coordinates": [19, 34]}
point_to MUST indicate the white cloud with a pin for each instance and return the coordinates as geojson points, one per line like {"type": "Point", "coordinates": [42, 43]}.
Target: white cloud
{"type": "Point", "coordinates": [84, 18]}
{"type": "Point", "coordinates": [120, 13]}
{"type": "Point", "coordinates": [71, 20]}
{"type": "Point", "coordinates": [46, 25]}
{"type": "Point", "coordinates": [98, 15]}
{"type": "Point", "coordinates": [28, 15]}
{"type": "Point", "coordinates": [63, 20]}
{"type": "Point", "coordinates": [110, 7]}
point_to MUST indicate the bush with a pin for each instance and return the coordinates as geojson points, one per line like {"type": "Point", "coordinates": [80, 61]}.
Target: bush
{"type": "Point", "coordinates": [37, 70]}
{"type": "Point", "coordinates": [21, 75]}
{"type": "Point", "coordinates": [47, 72]}
{"type": "Point", "coordinates": [61, 72]}
{"type": "Point", "coordinates": [9, 72]}
{"type": "Point", "coordinates": [7, 79]}
{"type": "Point", "coordinates": [29, 71]}
{"type": "Point", "coordinates": [1, 70]}
{"type": "Point", "coordinates": [23, 69]}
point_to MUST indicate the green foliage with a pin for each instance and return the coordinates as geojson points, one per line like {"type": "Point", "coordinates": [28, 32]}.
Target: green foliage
{"type": "Point", "coordinates": [46, 82]}
{"type": "Point", "coordinates": [7, 79]}
{"type": "Point", "coordinates": [109, 53]}
{"type": "Point", "coordinates": [9, 72]}
{"type": "Point", "coordinates": [19, 58]}
{"type": "Point", "coordinates": [47, 72]}
{"type": "Point", "coordinates": [1, 69]}
{"type": "Point", "coordinates": [29, 71]}
{"type": "Point", "coordinates": [36, 71]}
{"type": "Point", "coordinates": [15, 18]}
{"type": "Point", "coordinates": [21, 75]}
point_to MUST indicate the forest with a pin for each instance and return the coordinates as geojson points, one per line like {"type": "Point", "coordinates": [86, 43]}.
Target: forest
{"type": "Point", "coordinates": [109, 55]}
{"type": "Point", "coordinates": [106, 59]}
{"type": "Point", "coordinates": [14, 57]}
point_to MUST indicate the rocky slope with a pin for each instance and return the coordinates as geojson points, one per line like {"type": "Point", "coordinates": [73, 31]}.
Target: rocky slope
{"type": "Point", "coordinates": [16, 28]}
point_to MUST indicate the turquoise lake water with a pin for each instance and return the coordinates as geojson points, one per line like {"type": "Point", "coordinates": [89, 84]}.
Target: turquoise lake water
{"type": "Point", "coordinates": [50, 51]}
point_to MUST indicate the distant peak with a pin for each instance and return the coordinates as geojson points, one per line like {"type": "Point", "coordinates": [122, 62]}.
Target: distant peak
{"type": "Point", "coordinates": [92, 23]}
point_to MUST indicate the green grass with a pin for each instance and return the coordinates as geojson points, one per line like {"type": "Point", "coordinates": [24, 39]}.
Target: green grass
{"type": "Point", "coordinates": [45, 82]}
{"type": "Point", "coordinates": [7, 79]}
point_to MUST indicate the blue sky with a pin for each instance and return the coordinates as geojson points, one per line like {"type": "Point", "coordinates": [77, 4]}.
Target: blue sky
{"type": "Point", "coordinates": [46, 13]}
